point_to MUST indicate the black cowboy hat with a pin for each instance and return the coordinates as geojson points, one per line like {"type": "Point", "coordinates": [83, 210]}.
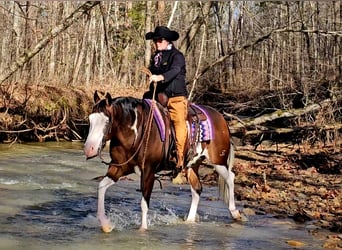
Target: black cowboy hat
{"type": "Point", "coordinates": [162, 32]}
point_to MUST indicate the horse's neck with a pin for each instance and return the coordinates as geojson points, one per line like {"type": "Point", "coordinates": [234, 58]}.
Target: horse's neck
{"type": "Point", "coordinates": [124, 129]}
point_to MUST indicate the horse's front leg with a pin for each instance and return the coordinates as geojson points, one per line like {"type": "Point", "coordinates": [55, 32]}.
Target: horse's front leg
{"type": "Point", "coordinates": [146, 182]}
{"type": "Point", "coordinates": [196, 190]}
{"type": "Point", "coordinates": [106, 225]}
{"type": "Point", "coordinates": [144, 209]}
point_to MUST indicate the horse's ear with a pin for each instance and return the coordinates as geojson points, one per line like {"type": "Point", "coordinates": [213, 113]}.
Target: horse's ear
{"type": "Point", "coordinates": [96, 97]}
{"type": "Point", "coordinates": [108, 99]}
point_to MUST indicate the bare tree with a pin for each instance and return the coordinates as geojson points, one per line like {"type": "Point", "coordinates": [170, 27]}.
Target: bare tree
{"type": "Point", "coordinates": [6, 73]}
{"type": "Point", "coordinates": [148, 27]}
{"type": "Point", "coordinates": [246, 45]}
{"type": "Point", "coordinates": [194, 27]}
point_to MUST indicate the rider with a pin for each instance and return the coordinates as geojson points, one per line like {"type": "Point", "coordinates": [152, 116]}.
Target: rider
{"type": "Point", "coordinates": [168, 70]}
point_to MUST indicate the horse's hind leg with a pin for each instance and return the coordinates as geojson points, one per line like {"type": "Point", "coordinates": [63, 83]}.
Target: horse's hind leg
{"type": "Point", "coordinates": [228, 176]}
{"type": "Point", "coordinates": [106, 225]}
{"type": "Point", "coordinates": [196, 190]}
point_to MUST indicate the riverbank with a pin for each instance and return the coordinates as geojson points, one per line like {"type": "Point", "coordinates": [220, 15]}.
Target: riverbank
{"type": "Point", "coordinates": [31, 113]}
{"type": "Point", "coordinates": [294, 184]}
{"type": "Point", "coordinates": [289, 184]}
{"type": "Point", "coordinates": [286, 186]}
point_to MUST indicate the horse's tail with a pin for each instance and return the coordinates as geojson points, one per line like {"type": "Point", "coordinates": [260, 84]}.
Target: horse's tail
{"type": "Point", "coordinates": [231, 156]}
{"type": "Point", "coordinates": [222, 185]}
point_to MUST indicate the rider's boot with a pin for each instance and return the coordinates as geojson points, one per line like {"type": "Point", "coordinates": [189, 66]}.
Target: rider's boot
{"type": "Point", "coordinates": [180, 161]}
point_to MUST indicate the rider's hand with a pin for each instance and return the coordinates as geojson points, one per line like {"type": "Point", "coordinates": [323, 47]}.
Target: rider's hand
{"type": "Point", "coordinates": [156, 78]}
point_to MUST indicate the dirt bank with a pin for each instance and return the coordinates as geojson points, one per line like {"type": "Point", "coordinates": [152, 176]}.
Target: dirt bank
{"type": "Point", "coordinates": [48, 113]}
{"type": "Point", "coordinates": [292, 183]}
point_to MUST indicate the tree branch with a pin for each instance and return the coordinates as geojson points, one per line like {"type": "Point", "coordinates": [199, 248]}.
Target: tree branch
{"type": "Point", "coordinates": [29, 54]}
{"type": "Point", "coordinates": [259, 40]}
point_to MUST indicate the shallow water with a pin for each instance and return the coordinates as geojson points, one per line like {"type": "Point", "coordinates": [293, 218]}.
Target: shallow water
{"type": "Point", "coordinates": [48, 201]}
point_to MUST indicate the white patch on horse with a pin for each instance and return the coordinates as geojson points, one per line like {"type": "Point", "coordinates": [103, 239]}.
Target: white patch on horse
{"type": "Point", "coordinates": [144, 209]}
{"type": "Point", "coordinates": [223, 153]}
{"type": "Point", "coordinates": [101, 214]}
{"type": "Point", "coordinates": [228, 177]}
{"type": "Point", "coordinates": [134, 126]}
{"type": "Point", "coordinates": [97, 128]}
{"type": "Point", "coordinates": [137, 170]}
{"type": "Point", "coordinates": [199, 155]}
{"type": "Point", "coordinates": [194, 205]}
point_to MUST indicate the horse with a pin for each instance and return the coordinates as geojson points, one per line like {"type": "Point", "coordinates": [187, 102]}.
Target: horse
{"type": "Point", "coordinates": [140, 137]}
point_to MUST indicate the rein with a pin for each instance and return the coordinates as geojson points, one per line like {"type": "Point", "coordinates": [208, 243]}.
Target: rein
{"type": "Point", "coordinates": [148, 129]}
{"type": "Point", "coordinates": [149, 124]}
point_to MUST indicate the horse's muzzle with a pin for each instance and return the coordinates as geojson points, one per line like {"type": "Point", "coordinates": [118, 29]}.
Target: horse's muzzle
{"type": "Point", "coordinates": [90, 152]}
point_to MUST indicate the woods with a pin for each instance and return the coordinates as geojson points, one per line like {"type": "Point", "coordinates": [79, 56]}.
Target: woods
{"type": "Point", "coordinates": [244, 58]}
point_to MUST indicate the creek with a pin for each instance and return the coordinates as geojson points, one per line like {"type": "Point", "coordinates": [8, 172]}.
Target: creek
{"type": "Point", "coordinates": [48, 201]}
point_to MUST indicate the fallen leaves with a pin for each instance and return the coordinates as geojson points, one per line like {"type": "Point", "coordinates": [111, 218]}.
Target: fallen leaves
{"type": "Point", "coordinates": [303, 193]}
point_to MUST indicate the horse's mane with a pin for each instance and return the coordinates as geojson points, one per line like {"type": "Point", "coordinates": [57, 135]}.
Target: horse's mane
{"type": "Point", "coordinates": [128, 104]}
{"type": "Point", "coordinates": [124, 106]}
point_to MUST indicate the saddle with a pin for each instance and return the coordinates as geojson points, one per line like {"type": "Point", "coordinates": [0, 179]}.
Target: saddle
{"type": "Point", "coordinates": [195, 113]}
{"type": "Point", "coordinates": [199, 128]}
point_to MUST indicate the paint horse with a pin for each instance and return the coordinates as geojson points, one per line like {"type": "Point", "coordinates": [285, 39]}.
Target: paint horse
{"type": "Point", "coordinates": [140, 143]}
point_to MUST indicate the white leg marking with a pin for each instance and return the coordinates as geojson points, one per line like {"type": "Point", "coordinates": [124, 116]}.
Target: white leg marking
{"type": "Point", "coordinates": [228, 177]}
{"type": "Point", "coordinates": [144, 209]}
{"type": "Point", "coordinates": [194, 205]}
{"type": "Point", "coordinates": [101, 214]}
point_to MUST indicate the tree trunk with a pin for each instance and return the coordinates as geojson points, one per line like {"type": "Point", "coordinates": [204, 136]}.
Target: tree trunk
{"type": "Point", "coordinates": [174, 8]}
{"type": "Point", "coordinates": [194, 28]}
{"type": "Point", "coordinates": [148, 28]}
{"type": "Point", "coordinates": [22, 60]}
{"type": "Point", "coordinates": [161, 13]}
{"type": "Point", "coordinates": [90, 58]}
{"type": "Point", "coordinates": [81, 54]}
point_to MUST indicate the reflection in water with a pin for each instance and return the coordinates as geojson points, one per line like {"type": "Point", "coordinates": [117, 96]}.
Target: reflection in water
{"type": "Point", "coordinates": [48, 201]}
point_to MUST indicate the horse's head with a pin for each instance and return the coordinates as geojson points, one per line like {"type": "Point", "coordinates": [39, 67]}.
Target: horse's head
{"type": "Point", "coordinates": [99, 129]}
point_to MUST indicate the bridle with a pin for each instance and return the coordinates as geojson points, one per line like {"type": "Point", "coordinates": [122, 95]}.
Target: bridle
{"type": "Point", "coordinates": [147, 134]}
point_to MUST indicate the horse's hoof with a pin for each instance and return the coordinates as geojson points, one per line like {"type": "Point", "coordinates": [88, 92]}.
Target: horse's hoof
{"type": "Point", "coordinates": [243, 218]}
{"type": "Point", "coordinates": [236, 214]}
{"type": "Point", "coordinates": [107, 228]}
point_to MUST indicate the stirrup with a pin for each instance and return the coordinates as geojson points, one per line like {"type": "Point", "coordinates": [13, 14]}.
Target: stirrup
{"type": "Point", "coordinates": [179, 163]}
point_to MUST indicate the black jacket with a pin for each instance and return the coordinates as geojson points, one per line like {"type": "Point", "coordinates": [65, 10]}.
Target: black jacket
{"type": "Point", "coordinates": [172, 67]}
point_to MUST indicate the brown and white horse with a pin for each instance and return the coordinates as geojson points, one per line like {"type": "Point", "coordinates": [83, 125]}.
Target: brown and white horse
{"type": "Point", "coordinates": [141, 145]}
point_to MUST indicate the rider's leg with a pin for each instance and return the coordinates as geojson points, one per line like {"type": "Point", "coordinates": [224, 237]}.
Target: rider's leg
{"type": "Point", "coordinates": [178, 109]}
